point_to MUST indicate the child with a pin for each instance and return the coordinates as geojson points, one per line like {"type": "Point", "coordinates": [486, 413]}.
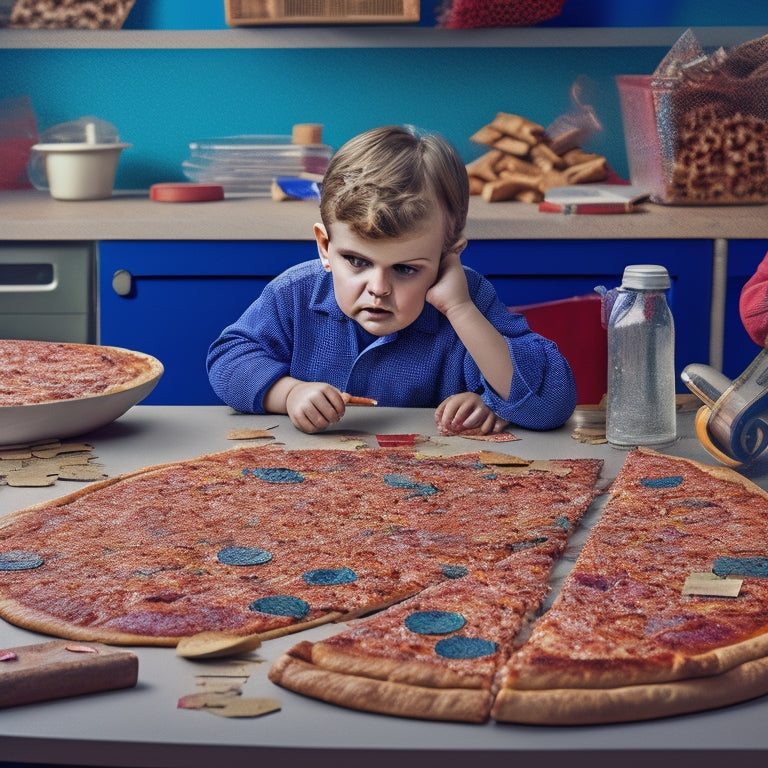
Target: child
{"type": "Point", "coordinates": [388, 311]}
{"type": "Point", "coordinates": [753, 304]}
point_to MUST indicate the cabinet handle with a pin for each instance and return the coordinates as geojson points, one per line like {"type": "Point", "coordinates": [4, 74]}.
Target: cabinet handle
{"type": "Point", "coordinates": [122, 282]}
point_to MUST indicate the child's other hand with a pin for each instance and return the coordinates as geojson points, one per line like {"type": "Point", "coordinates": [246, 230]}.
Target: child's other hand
{"type": "Point", "coordinates": [465, 411]}
{"type": "Point", "coordinates": [313, 406]}
{"type": "Point", "coordinates": [450, 289]}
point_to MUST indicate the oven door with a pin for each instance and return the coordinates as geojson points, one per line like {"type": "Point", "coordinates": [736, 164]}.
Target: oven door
{"type": "Point", "coordinates": [47, 291]}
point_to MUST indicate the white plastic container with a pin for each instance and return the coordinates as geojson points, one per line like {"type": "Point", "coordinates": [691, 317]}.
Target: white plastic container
{"type": "Point", "coordinates": [81, 171]}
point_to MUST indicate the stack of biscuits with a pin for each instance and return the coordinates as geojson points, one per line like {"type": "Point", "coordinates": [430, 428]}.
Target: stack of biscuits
{"type": "Point", "coordinates": [524, 162]}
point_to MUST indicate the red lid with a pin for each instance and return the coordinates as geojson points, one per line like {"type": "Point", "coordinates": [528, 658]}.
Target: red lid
{"type": "Point", "coordinates": [180, 192]}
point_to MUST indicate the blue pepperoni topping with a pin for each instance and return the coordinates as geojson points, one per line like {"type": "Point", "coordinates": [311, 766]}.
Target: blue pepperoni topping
{"type": "Point", "coordinates": [278, 475]}
{"type": "Point", "coordinates": [453, 571]}
{"type": "Point", "coordinates": [281, 605]}
{"type": "Point", "coordinates": [672, 481]}
{"type": "Point", "coordinates": [741, 566]}
{"type": "Point", "coordinates": [243, 556]}
{"type": "Point", "coordinates": [328, 576]}
{"type": "Point", "coordinates": [18, 560]}
{"type": "Point", "coordinates": [458, 647]}
{"type": "Point", "coordinates": [435, 622]}
{"type": "Point", "coordinates": [402, 481]}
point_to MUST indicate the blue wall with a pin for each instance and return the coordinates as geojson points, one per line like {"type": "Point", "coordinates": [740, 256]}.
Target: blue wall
{"type": "Point", "coordinates": [160, 100]}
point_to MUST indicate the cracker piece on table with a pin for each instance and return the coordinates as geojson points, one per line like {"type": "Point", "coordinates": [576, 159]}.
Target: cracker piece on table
{"type": "Point", "coordinates": [47, 452]}
{"type": "Point", "coordinates": [589, 435]}
{"type": "Point", "coordinates": [250, 434]}
{"type": "Point", "coordinates": [86, 472]}
{"type": "Point", "coordinates": [503, 459]}
{"type": "Point", "coordinates": [30, 478]}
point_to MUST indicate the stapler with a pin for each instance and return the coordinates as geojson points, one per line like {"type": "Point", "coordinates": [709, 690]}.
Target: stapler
{"type": "Point", "coordinates": [732, 423]}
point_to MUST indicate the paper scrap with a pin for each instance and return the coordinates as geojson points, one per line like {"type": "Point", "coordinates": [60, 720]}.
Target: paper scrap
{"type": "Point", "coordinates": [709, 584]}
{"type": "Point", "coordinates": [250, 434]}
{"type": "Point", "coordinates": [41, 464]}
{"type": "Point", "coordinates": [246, 707]}
{"type": "Point", "coordinates": [503, 459]}
{"type": "Point", "coordinates": [496, 437]}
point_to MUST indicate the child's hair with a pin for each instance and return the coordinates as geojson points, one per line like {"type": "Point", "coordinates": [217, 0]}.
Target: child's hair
{"type": "Point", "coordinates": [383, 183]}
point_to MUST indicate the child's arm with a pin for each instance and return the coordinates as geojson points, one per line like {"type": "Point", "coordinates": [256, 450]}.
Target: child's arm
{"type": "Point", "coordinates": [488, 348]}
{"type": "Point", "coordinates": [753, 304]}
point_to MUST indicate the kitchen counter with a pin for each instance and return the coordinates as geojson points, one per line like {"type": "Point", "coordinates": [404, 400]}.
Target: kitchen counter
{"type": "Point", "coordinates": [143, 727]}
{"type": "Point", "coordinates": [34, 215]}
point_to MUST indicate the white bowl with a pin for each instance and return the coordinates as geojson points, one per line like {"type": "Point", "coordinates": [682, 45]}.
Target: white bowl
{"type": "Point", "coordinates": [76, 416]}
{"type": "Point", "coordinates": [80, 171]}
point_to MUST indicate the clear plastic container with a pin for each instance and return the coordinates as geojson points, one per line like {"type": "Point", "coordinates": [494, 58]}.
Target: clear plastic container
{"type": "Point", "coordinates": [641, 368]}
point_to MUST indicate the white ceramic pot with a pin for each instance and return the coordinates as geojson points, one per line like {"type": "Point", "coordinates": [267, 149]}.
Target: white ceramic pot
{"type": "Point", "coordinates": [81, 171]}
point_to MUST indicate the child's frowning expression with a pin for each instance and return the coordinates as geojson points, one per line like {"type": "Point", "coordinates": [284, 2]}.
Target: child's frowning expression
{"type": "Point", "coordinates": [382, 284]}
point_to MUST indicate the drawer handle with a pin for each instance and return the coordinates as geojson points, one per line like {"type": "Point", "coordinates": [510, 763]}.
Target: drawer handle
{"type": "Point", "coordinates": [122, 283]}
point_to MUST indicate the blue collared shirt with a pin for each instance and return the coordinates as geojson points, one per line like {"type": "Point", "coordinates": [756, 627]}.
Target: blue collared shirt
{"type": "Point", "coordinates": [296, 328]}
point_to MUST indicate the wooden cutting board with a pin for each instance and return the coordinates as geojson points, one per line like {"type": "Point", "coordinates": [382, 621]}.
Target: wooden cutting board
{"type": "Point", "coordinates": [63, 668]}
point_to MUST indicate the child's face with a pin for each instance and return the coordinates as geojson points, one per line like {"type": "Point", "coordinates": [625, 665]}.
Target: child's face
{"type": "Point", "coordinates": [382, 284]}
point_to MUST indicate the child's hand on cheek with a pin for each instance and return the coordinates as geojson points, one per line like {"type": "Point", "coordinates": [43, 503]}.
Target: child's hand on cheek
{"type": "Point", "coordinates": [313, 405]}
{"type": "Point", "coordinates": [467, 411]}
{"type": "Point", "coordinates": [450, 289]}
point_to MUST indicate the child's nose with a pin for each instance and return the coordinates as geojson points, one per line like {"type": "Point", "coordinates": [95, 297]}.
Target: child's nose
{"type": "Point", "coordinates": [378, 285]}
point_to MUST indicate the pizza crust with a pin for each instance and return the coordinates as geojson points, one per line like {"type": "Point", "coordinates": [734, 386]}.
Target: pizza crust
{"type": "Point", "coordinates": [580, 706]}
{"type": "Point", "coordinates": [379, 696]}
{"type": "Point", "coordinates": [599, 675]}
{"type": "Point", "coordinates": [407, 672]}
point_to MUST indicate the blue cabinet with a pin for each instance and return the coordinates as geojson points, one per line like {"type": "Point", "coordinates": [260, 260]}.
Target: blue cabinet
{"type": "Point", "coordinates": [171, 299]}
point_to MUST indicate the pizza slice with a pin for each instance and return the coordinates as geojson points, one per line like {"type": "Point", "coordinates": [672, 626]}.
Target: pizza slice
{"type": "Point", "coordinates": [433, 656]}
{"type": "Point", "coordinates": [623, 639]}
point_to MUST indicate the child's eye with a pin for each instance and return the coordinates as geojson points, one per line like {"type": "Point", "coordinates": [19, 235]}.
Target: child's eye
{"type": "Point", "coordinates": [404, 269]}
{"type": "Point", "coordinates": [356, 261]}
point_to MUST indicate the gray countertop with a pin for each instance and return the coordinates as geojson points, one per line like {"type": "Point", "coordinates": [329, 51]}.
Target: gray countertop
{"type": "Point", "coordinates": [143, 727]}
{"type": "Point", "coordinates": [33, 215]}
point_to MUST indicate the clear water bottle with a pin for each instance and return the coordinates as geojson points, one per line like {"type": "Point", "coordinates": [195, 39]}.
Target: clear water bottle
{"type": "Point", "coordinates": [641, 360]}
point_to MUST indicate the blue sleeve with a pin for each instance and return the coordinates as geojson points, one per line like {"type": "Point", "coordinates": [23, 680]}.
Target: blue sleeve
{"type": "Point", "coordinates": [543, 391]}
{"type": "Point", "coordinates": [253, 353]}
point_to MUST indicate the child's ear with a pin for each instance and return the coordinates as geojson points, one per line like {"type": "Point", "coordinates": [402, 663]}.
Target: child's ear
{"type": "Point", "coordinates": [459, 246]}
{"type": "Point", "coordinates": [322, 239]}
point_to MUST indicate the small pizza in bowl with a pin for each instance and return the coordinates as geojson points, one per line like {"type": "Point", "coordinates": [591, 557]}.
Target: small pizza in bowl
{"type": "Point", "coordinates": [58, 389]}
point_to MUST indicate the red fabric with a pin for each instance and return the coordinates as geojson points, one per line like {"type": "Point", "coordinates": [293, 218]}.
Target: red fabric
{"type": "Point", "coordinates": [753, 304]}
{"type": "Point", "coordinates": [470, 14]}
{"type": "Point", "coordinates": [574, 325]}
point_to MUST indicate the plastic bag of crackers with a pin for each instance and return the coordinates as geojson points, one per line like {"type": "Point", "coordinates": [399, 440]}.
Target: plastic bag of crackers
{"type": "Point", "coordinates": [696, 131]}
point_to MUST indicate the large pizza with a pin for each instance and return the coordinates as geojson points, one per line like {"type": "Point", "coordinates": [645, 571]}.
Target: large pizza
{"type": "Point", "coordinates": [440, 568]}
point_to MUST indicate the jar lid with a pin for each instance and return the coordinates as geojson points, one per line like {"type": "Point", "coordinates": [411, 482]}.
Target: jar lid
{"type": "Point", "coordinates": [185, 192]}
{"type": "Point", "coordinates": [647, 277]}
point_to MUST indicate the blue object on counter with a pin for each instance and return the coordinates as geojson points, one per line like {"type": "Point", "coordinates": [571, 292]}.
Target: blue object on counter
{"type": "Point", "coordinates": [298, 188]}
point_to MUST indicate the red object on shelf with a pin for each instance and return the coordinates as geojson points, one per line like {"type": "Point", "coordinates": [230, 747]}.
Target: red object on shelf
{"type": "Point", "coordinates": [182, 192]}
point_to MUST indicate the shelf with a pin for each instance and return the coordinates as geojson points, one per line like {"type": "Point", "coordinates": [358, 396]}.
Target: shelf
{"type": "Point", "coordinates": [375, 37]}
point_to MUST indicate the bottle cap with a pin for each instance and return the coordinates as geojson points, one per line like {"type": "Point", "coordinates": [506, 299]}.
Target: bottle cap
{"type": "Point", "coordinates": [647, 277]}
